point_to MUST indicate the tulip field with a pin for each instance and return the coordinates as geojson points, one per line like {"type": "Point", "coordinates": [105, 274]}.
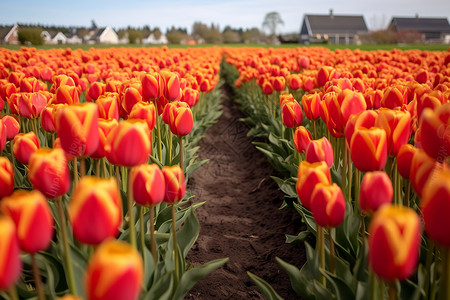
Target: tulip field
{"type": "Point", "coordinates": [97, 148]}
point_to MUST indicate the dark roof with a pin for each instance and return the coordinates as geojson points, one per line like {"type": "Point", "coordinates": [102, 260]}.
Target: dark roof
{"type": "Point", "coordinates": [420, 24]}
{"type": "Point", "coordinates": [4, 30]}
{"type": "Point", "coordinates": [98, 33]}
{"type": "Point", "coordinates": [332, 24]}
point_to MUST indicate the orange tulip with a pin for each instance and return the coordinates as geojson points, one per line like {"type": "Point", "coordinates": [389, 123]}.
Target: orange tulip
{"type": "Point", "coordinates": [394, 242]}
{"type": "Point", "coordinates": [31, 104]}
{"type": "Point", "coordinates": [131, 97]}
{"type": "Point", "coordinates": [404, 159]}
{"type": "Point", "coordinates": [49, 173]}
{"type": "Point", "coordinates": [422, 167]}
{"type": "Point", "coordinates": [291, 114]}
{"type": "Point", "coordinates": [325, 74]}
{"type": "Point", "coordinates": [106, 128]}
{"type": "Point", "coordinates": [31, 214]}
{"type": "Point", "coordinates": [309, 175]}
{"type": "Point", "coordinates": [376, 190]}
{"type": "Point", "coordinates": [172, 89]}
{"type": "Point", "coordinates": [48, 115]}
{"type": "Point", "coordinates": [328, 205]}
{"type": "Point", "coordinates": [148, 184]}
{"type": "Point", "coordinates": [330, 112]}
{"type": "Point", "coordinates": [130, 143]}
{"type": "Point", "coordinates": [12, 126]}
{"type": "Point", "coordinates": [145, 111]}
{"type": "Point", "coordinates": [393, 97]}
{"type": "Point", "coordinates": [295, 82]}
{"type": "Point", "coordinates": [278, 83]}
{"type": "Point", "coordinates": [435, 132]}
{"type": "Point", "coordinates": [175, 183]}
{"type": "Point", "coordinates": [152, 86]}
{"type": "Point", "coordinates": [24, 145]}
{"type": "Point", "coordinates": [66, 95]}
{"type": "Point", "coordinates": [96, 203]}
{"type": "Point", "coordinates": [108, 106]}
{"type": "Point", "coordinates": [114, 272]}
{"type": "Point", "coordinates": [352, 103]}
{"type": "Point", "coordinates": [190, 96]}
{"type": "Point", "coordinates": [320, 150]}
{"type": "Point", "coordinates": [179, 117]}
{"type": "Point", "coordinates": [10, 263]}
{"type": "Point", "coordinates": [6, 177]}
{"type": "Point", "coordinates": [302, 137]}
{"type": "Point", "coordinates": [267, 87]}
{"type": "Point", "coordinates": [311, 106]}
{"type": "Point", "coordinates": [77, 127]}
{"type": "Point", "coordinates": [368, 149]}
{"type": "Point", "coordinates": [397, 125]}
{"type": "Point", "coordinates": [365, 119]}
{"type": "Point", "coordinates": [436, 205]}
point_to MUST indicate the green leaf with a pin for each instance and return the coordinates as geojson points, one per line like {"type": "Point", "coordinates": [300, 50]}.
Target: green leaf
{"type": "Point", "coordinates": [299, 283]}
{"type": "Point", "coordinates": [266, 289]}
{"type": "Point", "coordinates": [297, 238]}
{"type": "Point", "coordinates": [191, 277]}
{"type": "Point", "coordinates": [161, 287]}
{"type": "Point", "coordinates": [188, 234]}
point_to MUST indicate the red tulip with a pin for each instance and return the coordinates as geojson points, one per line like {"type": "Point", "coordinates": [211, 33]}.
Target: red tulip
{"type": "Point", "coordinates": [190, 96]}
{"type": "Point", "coordinates": [148, 184]}
{"type": "Point", "coordinates": [175, 183]}
{"type": "Point", "coordinates": [106, 128]}
{"type": "Point", "coordinates": [328, 205]}
{"type": "Point", "coordinates": [172, 91]}
{"type": "Point", "coordinates": [48, 116]}
{"type": "Point", "coordinates": [320, 150]}
{"type": "Point", "coordinates": [404, 159]}
{"type": "Point", "coordinates": [152, 86]}
{"type": "Point", "coordinates": [145, 111]}
{"type": "Point", "coordinates": [179, 117]}
{"type": "Point", "coordinates": [291, 114]}
{"type": "Point", "coordinates": [309, 175]}
{"type": "Point", "coordinates": [66, 95]}
{"type": "Point", "coordinates": [25, 144]}
{"type": "Point", "coordinates": [365, 119]}
{"type": "Point", "coordinates": [10, 263]}
{"type": "Point", "coordinates": [376, 190]}
{"type": "Point", "coordinates": [397, 125]}
{"type": "Point", "coordinates": [12, 126]}
{"type": "Point", "coordinates": [108, 106]}
{"type": "Point", "coordinates": [368, 149]}
{"type": "Point", "coordinates": [422, 167]}
{"type": "Point", "coordinates": [6, 178]}
{"type": "Point", "coordinates": [131, 97]}
{"type": "Point", "coordinates": [31, 104]}
{"type": "Point", "coordinates": [302, 137]}
{"type": "Point", "coordinates": [311, 106]}
{"type": "Point", "coordinates": [95, 90]}
{"type": "Point", "coordinates": [393, 97]}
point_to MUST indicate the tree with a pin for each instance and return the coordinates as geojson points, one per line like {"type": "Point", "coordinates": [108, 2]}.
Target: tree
{"type": "Point", "coordinates": [157, 33]}
{"type": "Point", "coordinates": [30, 35]}
{"type": "Point", "coordinates": [271, 22]}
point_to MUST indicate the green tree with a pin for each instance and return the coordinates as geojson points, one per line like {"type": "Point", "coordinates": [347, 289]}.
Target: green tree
{"type": "Point", "coordinates": [30, 35]}
{"type": "Point", "coordinates": [271, 22]}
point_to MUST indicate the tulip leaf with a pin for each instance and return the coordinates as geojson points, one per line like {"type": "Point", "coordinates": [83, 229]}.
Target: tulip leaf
{"type": "Point", "coordinates": [192, 276]}
{"type": "Point", "coordinates": [299, 282]}
{"type": "Point", "coordinates": [188, 234]}
{"type": "Point", "coordinates": [290, 239]}
{"type": "Point", "coordinates": [266, 289]}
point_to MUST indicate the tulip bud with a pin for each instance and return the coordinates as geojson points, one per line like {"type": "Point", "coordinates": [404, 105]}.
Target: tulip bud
{"type": "Point", "coordinates": [10, 263]}
{"type": "Point", "coordinates": [422, 167]}
{"type": "Point", "coordinates": [376, 190]}
{"type": "Point", "coordinates": [96, 203]}
{"type": "Point", "coordinates": [31, 104]}
{"type": "Point", "coordinates": [320, 150]}
{"type": "Point", "coordinates": [148, 184]}
{"type": "Point", "coordinates": [130, 143]}
{"type": "Point", "coordinates": [364, 119]}
{"type": "Point", "coordinates": [436, 205]}
{"type": "Point", "coordinates": [12, 126]}
{"type": "Point", "coordinates": [152, 86]}
{"type": "Point", "coordinates": [145, 111]}
{"type": "Point", "coordinates": [66, 95]}
{"type": "Point", "coordinates": [172, 89]}
{"type": "Point", "coordinates": [328, 205]}
{"type": "Point", "coordinates": [131, 97]}
{"type": "Point", "coordinates": [309, 175]}
{"type": "Point", "coordinates": [404, 159]}
{"type": "Point", "coordinates": [291, 114]}
{"type": "Point", "coordinates": [175, 183]}
{"type": "Point", "coordinates": [393, 97]}
{"type": "Point", "coordinates": [279, 83]}
{"type": "Point", "coordinates": [6, 177]}
{"type": "Point", "coordinates": [368, 149]}
{"type": "Point", "coordinates": [114, 272]}
{"type": "Point", "coordinates": [31, 214]}
{"type": "Point", "coordinates": [108, 106]}
{"type": "Point", "coordinates": [179, 117]}
{"type": "Point", "coordinates": [190, 96]}
{"type": "Point", "coordinates": [77, 127]}
{"type": "Point", "coordinates": [48, 115]}
{"type": "Point", "coordinates": [267, 87]}
{"type": "Point", "coordinates": [302, 137]}
{"type": "Point", "coordinates": [394, 242]}
{"type": "Point", "coordinates": [49, 173]}
{"type": "Point", "coordinates": [95, 90]}
{"type": "Point", "coordinates": [311, 105]}
{"type": "Point", "coordinates": [295, 82]}
{"type": "Point", "coordinates": [397, 125]}
{"type": "Point", "coordinates": [106, 128]}
{"type": "Point", "coordinates": [24, 145]}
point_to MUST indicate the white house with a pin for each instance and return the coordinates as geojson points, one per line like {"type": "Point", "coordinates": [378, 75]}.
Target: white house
{"type": "Point", "coordinates": [53, 37]}
{"type": "Point", "coordinates": [72, 38]}
{"type": "Point", "coordinates": [105, 35]}
{"type": "Point", "coordinates": [150, 39]}
{"type": "Point", "coordinates": [9, 34]}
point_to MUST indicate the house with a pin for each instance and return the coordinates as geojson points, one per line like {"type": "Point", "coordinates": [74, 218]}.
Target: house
{"type": "Point", "coordinates": [105, 35]}
{"type": "Point", "coordinates": [333, 29]}
{"type": "Point", "coordinates": [431, 29]}
{"type": "Point", "coordinates": [9, 34]}
{"type": "Point", "coordinates": [53, 37]}
{"type": "Point", "coordinates": [73, 38]}
{"type": "Point", "coordinates": [150, 39]}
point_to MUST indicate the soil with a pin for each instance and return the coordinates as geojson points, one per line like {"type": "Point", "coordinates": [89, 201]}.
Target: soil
{"type": "Point", "coordinates": [241, 217]}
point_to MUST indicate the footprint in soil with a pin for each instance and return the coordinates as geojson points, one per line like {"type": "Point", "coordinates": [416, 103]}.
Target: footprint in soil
{"type": "Point", "coordinates": [240, 218]}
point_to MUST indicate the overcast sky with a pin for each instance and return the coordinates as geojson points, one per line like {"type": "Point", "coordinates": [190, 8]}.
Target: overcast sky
{"type": "Point", "coordinates": [236, 13]}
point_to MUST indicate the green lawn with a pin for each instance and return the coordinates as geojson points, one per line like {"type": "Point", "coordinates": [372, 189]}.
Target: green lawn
{"type": "Point", "coordinates": [428, 47]}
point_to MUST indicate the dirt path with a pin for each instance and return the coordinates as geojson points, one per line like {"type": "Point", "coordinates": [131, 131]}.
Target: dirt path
{"type": "Point", "coordinates": [240, 219]}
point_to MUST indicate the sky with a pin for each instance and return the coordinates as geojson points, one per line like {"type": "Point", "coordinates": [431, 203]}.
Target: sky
{"type": "Point", "coordinates": [236, 13]}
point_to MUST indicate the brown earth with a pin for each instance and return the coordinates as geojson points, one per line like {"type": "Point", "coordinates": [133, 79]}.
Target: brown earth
{"type": "Point", "coordinates": [240, 218]}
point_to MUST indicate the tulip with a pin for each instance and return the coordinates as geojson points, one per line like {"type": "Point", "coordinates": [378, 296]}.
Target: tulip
{"type": "Point", "coordinates": [6, 177]}
{"type": "Point", "coordinates": [422, 167]}
{"type": "Point", "coordinates": [267, 87]}
{"type": "Point", "coordinates": [180, 118]}
{"type": "Point", "coordinates": [3, 135]}
{"type": "Point", "coordinates": [175, 184]}
{"type": "Point", "coordinates": [435, 132]}
{"type": "Point", "coordinates": [368, 149]}
{"type": "Point", "coordinates": [352, 103]}
{"type": "Point", "coordinates": [62, 80]}
{"type": "Point", "coordinates": [66, 95]}
{"type": "Point", "coordinates": [96, 203]}
{"type": "Point", "coordinates": [31, 214]}
{"type": "Point", "coordinates": [145, 111]}
{"type": "Point", "coordinates": [49, 173]}
{"type": "Point", "coordinates": [31, 104]}
{"type": "Point", "coordinates": [291, 114]}
{"type": "Point", "coordinates": [10, 263]}
{"type": "Point", "coordinates": [114, 272]}
{"type": "Point", "coordinates": [325, 74]}
{"type": "Point", "coordinates": [131, 97]}
{"type": "Point", "coordinates": [69, 297]}
{"type": "Point", "coordinates": [152, 86]}
{"type": "Point", "coordinates": [376, 190]}
{"type": "Point", "coordinates": [330, 112]}
{"type": "Point", "coordinates": [394, 242]}
{"type": "Point", "coordinates": [393, 97]}
{"type": "Point", "coordinates": [311, 106]}
{"type": "Point", "coordinates": [106, 128]}
{"type": "Point", "coordinates": [397, 125]}
{"type": "Point", "coordinates": [24, 145]}
{"type": "Point", "coordinates": [77, 128]}
{"type": "Point", "coordinates": [278, 83]}
{"type": "Point", "coordinates": [148, 184]}
{"type": "Point", "coordinates": [172, 89]}
{"type": "Point", "coordinates": [404, 159]}
{"type": "Point", "coordinates": [320, 150]}
{"type": "Point", "coordinates": [365, 119]}
{"type": "Point", "coordinates": [309, 175]}
{"type": "Point", "coordinates": [95, 90]}
{"type": "Point", "coordinates": [302, 137]}
{"type": "Point", "coordinates": [130, 143]}
{"type": "Point", "coordinates": [48, 116]}
{"type": "Point", "coordinates": [108, 106]}
{"type": "Point", "coordinates": [190, 96]}
{"type": "Point", "coordinates": [328, 205]}
{"type": "Point", "coordinates": [12, 126]}
{"type": "Point", "coordinates": [295, 82]}
{"type": "Point", "coordinates": [435, 206]}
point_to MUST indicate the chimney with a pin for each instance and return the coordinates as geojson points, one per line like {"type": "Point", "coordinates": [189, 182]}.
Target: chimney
{"type": "Point", "coordinates": [331, 13]}
{"type": "Point", "coordinates": [417, 15]}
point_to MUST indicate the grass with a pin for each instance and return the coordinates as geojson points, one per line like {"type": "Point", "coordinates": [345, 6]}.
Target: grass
{"type": "Point", "coordinates": [424, 47]}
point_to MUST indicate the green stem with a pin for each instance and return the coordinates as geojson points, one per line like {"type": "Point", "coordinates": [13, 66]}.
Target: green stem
{"type": "Point", "coordinates": [130, 211]}
{"type": "Point", "coordinates": [75, 172]}
{"type": "Point", "coordinates": [97, 168]}
{"type": "Point", "coordinates": [12, 291]}
{"type": "Point", "coordinates": [158, 133]}
{"type": "Point", "coordinates": [373, 283]}
{"type": "Point", "coordinates": [444, 284]}
{"type": "Point", "coordinates": [344, 169]}
{"type": "Point", "coordinates": [175, 244]}
{"type": "Point", "coordinates": [315, 130]}
{"type": "Point", "coordinates": [152, 232]}
{"type": "Point", "coordinates": [170, 147]}
{"type": "Point", "coordinates": [104, 167]}
{"type": "Point", "coordinates": [408, 193]}
{"type": "Point", "coordinates": [392, 290]}
{"type": "Point", "coordinates": [11, 148]}
{"type": "Point", "coordinates": [357, 189]}
{"type": "Point", "coordinates": [349, 174]}
{"type": "Point", "coordinates": [428, 262]}
{"type": "Point", "coordinates": [117, 173]}
{"type": "Point", "coordinates": [321, 246]}
{"type": "Point", "coordinates": [181, 153]}
{"type": "Point", "coordinates": [332, 264]}
{"type": "Point", "coordinates": [142, 231]}
{"type": "Point", "coordinates": [63, 232]}
{"type": "Point", "coordinates": [37, 278]}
